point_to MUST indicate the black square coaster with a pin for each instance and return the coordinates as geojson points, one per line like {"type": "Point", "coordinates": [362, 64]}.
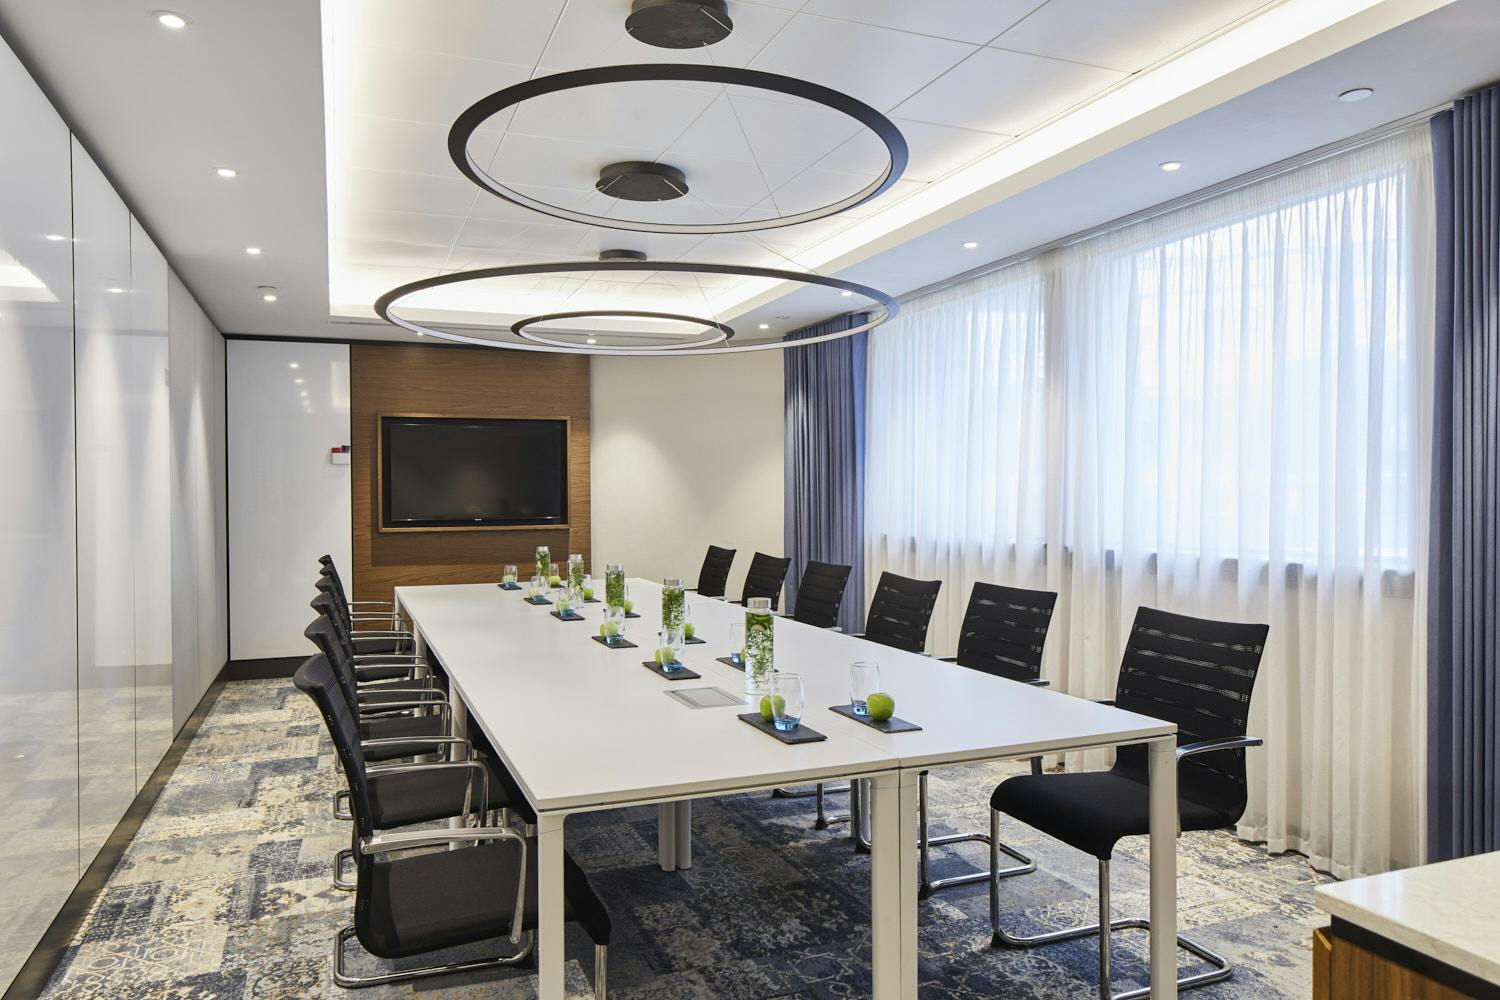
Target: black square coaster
{"type": "Point", "coordinates": [511, 586]}
{"type": "Point", "coordinates": [592, 600]}
{"type": "Point", "coordinates": [619, 643]}
{"type": "Point", "coordinates": [801, 734]}
{"type": "Point", "coordinates": [694, 641]}
{"type": "Point", "coordinates": [728, 661]}
{"type": "Point", "coordinates": [680, 674]}
{"type": "Point", "coordinates": [571, 616]}
{"type": "Point", "coordinates": [537, 600]}
{"type": "Point", "coordinates": [631, 614]}
{"type": "Point", "coordinates": [891, 725]}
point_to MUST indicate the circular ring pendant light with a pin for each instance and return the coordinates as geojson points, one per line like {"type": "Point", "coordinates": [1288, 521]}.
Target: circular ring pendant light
{"type": "Point", "coordinates": [715, 332]}
{"type": "Point", "coordinates": [486, 108]}
{"type": "Point", "coordinates": [886, 306]}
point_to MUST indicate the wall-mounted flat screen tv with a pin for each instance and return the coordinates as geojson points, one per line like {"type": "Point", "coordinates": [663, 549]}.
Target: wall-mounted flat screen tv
{"type": "Point", "coordinates": [457, 472]}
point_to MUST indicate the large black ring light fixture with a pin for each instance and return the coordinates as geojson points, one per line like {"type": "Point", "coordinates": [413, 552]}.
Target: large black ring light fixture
{"type": "Point", "coordinates": [716, 332]}
{"type": "Point", "coordinates": [486, 108]}
{"type": "Point", "coordinates": [887, 307]}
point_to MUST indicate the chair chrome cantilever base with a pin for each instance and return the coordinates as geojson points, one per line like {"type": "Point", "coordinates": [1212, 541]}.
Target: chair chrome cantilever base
{"type": "Point", "coordinates": [1218, 971]}
{"type": "Point", "coordinates": [342, 978]}
{"type": "Point", "coordinates": [820, 791]}
{"type": "Point", "coordinates": [928, 885]}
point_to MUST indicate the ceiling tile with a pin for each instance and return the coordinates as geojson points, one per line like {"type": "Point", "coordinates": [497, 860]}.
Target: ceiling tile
{"type": "Point", "coordinates": [408, 192]}
{"type": "Point", "coordinates": [390, 81]}
{"type": "Point", "coordinates": [593, 34]}
{"type": "Point", "coordinates": [380, 253]}
{"type": "Point", "coordinates": [965, 20]}
{"type": "Point", "coordinates": [933, 150]}
{"type": "Point", "coordinates": [647, 115]}
{"type": "Point", "coordinates": [1126, 35]}
{"type": "Point", "coordinates": [480, 29]}
{"type": "Point", "coordinates": [558, 163]}
{"type": "Point", "coordinates": [1005, 92]}
{"type": "Point", "coordinates": [741, 125]}
{"type": "Point", "coordinates": [876, 65]}
{"type": "Point", "coordinates": [409, 147]}
{"type": "Point", "coordinates": [398, 227]}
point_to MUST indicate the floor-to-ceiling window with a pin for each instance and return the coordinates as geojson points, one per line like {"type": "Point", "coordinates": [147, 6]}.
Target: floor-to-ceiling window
{"type": "Point", "coordinates": [1223, 411]}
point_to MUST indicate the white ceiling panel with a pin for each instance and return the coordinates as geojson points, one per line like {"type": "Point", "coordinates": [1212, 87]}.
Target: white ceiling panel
{"type": "Point", "coordinates": [405, 227]}
{"type": "Point", "coordinates": [410, 192]}
{"type": "Point", "coordinates": [1125, 35]}
{"type": "Point", "coordinates": [558, 163]}
{"type": "Point", "coordinates": [788, 133]}
{"type": "Point", "coordinates": [380, 253]}
{"type": "Point", "coordinates": [1005, 92]}
{"type": "Point", "coordinates": [933, 150]}
{"type": "Point", "coordinates": [876, 65]}
{"type": "Point", "coordinates": [409, 147]}
{"type": "Point", "coordinates": [511, 31]}
{"type": "Point", "coordinates": [591, 34]}
{"type": "Point", "coordinates": [644, 114]}
{"type": "Point", "coordinates": [393, 81]}
{"type": "Point", "coordinates": [964, 20]}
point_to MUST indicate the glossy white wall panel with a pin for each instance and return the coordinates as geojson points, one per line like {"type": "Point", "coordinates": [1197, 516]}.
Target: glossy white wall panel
{"type": "Point", "coordinates": [107, 441]}
{"type": "Point", "coordinates": [212, 510]}
{"type": "Point", "coordinates": [38, 656]}
{"type": "Point", "coordinates": [288, 503]}
{"type": "Point", "coordinates": [148, 414]}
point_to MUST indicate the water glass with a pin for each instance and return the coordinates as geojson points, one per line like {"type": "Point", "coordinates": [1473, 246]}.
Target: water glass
{"type": "Point", "coordinates": [864, 680]}
{"type": "Point", "coordinates": [508, 575]}
{"type": "Point", "coordinates": [613, 616]}
{"type": "Point", "coordinates": [669, 649]}
{"type": "Point", "coordinates": [538, 587]}
{"type": "Point", "coordinates": [563, 598]}
{"type": "Point", "coordinates": [737, 643]}
{"type": "Point", "coordinates": [786, 701]}
{"type": "Point", "coordinates": [586, 588]}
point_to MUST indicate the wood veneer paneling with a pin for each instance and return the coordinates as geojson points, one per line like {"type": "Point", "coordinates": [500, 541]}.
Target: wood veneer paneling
{"type": "Point", "coordinates": [1354, 973]}
{"type": "Point", "coordinates": [459, 382]}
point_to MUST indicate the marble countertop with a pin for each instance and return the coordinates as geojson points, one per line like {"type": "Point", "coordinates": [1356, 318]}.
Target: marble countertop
{"type": "Point", "coordinates": [1450, 910]}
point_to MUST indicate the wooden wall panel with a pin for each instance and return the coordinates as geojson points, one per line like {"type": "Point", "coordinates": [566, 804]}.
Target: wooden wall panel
{"type": "Point", "coordinates": [459, 382]}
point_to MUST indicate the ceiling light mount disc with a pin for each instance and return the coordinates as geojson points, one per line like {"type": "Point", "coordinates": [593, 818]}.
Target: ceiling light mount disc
{"type": "Point", "coordinates": [474, 118]}
{"type": "Point", "coordinates": [714, 331]}
{"type": "Point", "coordinates": [641, 180]}
{"type": "Point", "coordinates": [884, 307]}
{"type": "Point", "coordinates": [621, 255]}
{"type": "Point", "coordinates": [679, 24]}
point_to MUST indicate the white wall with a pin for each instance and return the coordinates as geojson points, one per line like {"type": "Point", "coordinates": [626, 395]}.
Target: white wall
{"type": "Point", "coordinates": [288, 405]}
{"type": "Point", "coordinates": [687, 452]}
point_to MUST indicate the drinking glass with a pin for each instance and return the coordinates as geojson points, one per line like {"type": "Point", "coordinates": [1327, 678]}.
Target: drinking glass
{"type": "Point", "coordinates": [562, 597]}
{"type": "Point", "coordinates": [864, 680]}
{"type": "Point", "coordinates": [614, 616]}
{"type": "Point", "coordinates": [737, 643]}
{"type": "Point", "coordinates": [669, 641]}
{"type": "Point", "coordinates": [786, 701]}
{"type": "Point", "coordinates": [538, 587]}
{"type": "Point", "coordinates": [586, 588]}
{"type": "Point", "coordinates": [508, 575]}
{"type": "Point", "coordinates": [688, 628]}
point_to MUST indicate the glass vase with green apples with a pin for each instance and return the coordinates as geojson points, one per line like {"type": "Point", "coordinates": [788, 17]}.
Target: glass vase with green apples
{"type": "Point", "coordinates": [544, 563]}
{"type": "Point", "coordinates": [760, 646]}
{"type": "Point", "coordinates": [614, 585]}
{"type": "Point", "coordinates": [673, 601]}
{"type": "Point", "coordinates": [575, 571]}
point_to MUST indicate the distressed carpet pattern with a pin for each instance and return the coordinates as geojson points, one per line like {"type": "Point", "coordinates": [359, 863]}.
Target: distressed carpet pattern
{"type": "Point", "coordinates": [225, 893]}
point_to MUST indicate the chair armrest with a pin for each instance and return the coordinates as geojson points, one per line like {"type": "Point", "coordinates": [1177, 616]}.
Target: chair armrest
{"type": "Point", "coordinates": [469, 764]}
{"type": "Point", "coordinates": [364, 668]}
{"type": "Point", "coordinates": [378, 604]}
{"type": "Point", "coordinates": [412, 659]}
{"type": "Point", "coordinates": [835, 628]}
{"type": "Point", "coordinates": [1039, 682]}
{"type": "Point", "coordinates": [386, 843]}
{"type": "Point", "coordinates": [1227, 743]}
{"type": "Point", "coordinates": [426, 696]}
{"type": "Point", "coordinates": [381, 635]}
{"type": "Point", "coordinates": [391, 741]}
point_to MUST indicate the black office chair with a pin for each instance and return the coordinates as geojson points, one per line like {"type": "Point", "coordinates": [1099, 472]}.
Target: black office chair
{"type": "Point", "coordinates": [765, 578]}
{"type": "Point", "coordinates": [900, 612]}
{"type": "Point", "coordinates": [483, 886]}
{"type": "Point", "coordinates": [714, 575]}
{"type": "Point", "coordinates": [820, 594]}
{"type": "Point", "coordinates": [383, 635]}
{"type": "Point", "coordinates": [1004, 631]}
{"type": "Point", "coordinates": [381, 664]}
{"type": "Point", "coordinates": [1198, 674]}
{"type": "Point", "coordinates": [373, 611]}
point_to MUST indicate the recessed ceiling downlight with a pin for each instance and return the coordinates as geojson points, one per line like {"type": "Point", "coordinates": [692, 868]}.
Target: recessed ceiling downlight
{"type": "Point", "coordinates": [267, 292]}
{"type": "Point", "coordinates": [1357, 94]}
{"type": "Point", "coordinates": [226, 172]}
{"type": "Point", "coordinates": [679, 24]}
{"type": "Point", "coordinates": [1172, 166]}
{"type": "Point", "coordinates": [170, 19]}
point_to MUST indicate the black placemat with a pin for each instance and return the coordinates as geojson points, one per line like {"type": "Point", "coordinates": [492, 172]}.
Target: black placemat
{"type": "Point", "coordinates": [694, 641]}
{"type": "Point", "coordinates": [574, 617]}
{"type": "Point", "coordinates": [511, 586]}
{"type": "Point", "coordinates": [801, 734]}
{"type": "Point", "coordinates": [621, 643]}
{"type": "Point", "coordinates": [537, 600]}
{"type": "Point", "coordinates": [631, 614]}
{"type": "Point", "coordinates": [680, 674]}
{"type": "Point", "coordinates": [891, 725]}
{"type": "Point", "coordinates": [728, 661]}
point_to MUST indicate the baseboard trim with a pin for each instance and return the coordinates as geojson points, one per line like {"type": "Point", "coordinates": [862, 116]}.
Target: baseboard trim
{"type": "Point", "coordinates": [263, 669]}
{"type": "Point", "coordinates": [37, 970]}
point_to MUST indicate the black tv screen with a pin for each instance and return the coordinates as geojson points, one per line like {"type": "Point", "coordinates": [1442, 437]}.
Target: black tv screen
{"type": "Point", "coordinates": [448, 472]}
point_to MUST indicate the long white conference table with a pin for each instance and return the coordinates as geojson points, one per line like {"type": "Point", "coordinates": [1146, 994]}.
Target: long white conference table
{"type": "Point", "coordinates": [583, 728]}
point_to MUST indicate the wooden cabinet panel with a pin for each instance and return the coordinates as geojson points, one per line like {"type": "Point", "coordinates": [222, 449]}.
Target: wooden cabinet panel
{"type": "Point", "coordinates": [1355, 973]}
{"type": "Point", "coordinates": [1322, 956]}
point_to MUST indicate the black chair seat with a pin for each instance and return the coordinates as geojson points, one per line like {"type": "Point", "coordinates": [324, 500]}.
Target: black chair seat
{"type": "Point", "coordinates": [373, 670]}
{"type": "Point", "coordinates": [449, 898]}
{"type": "Point", "coordinates": [1092, 811]}
{"type": "Point", "coordinates": [404, 798]}
{"type": "Point", "coordinates": [404, 728]}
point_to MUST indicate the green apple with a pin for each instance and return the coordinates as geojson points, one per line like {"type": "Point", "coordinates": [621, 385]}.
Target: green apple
{"type": "Point", "coordinates": [881, 706]}
{"type": "Point", "coordinates": [628, 605]}
{"type": "Point", "coordinates": [768, 710]}
{"type": "Point", "coordinates": [588, 593]}
{"type": "Point", "coordinates": [664, 656]}
{"type": "Point", "coordinates": [609, 630]}
{"type": "Point", "coordinates": [554, 580]}
{"type": "Point", "coordinates": [688, 630]}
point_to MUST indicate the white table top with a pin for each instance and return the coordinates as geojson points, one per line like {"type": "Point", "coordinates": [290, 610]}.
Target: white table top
{"type": "Point", "coordinates": [583, 726]}
{"type": "Point", "coordinates": [1449, 910]}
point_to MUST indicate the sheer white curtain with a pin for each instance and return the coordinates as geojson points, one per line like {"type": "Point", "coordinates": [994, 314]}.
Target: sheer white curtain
{"type": "Point", "coordinates": [1224, 412]}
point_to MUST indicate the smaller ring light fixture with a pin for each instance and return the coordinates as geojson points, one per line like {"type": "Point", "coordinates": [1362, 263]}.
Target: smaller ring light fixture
{"type": "Point", "coordinates": [885, 308]}
{"type": "Point", "coordinates": [555, 83]}
{"type": "Point", "coordinates": [679, 24]}
{"type": "Point", "coordinates": [714, 331]}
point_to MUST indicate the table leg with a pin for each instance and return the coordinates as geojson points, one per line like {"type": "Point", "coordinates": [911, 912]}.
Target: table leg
{"type": "Point", "coordinates": [893, 885]}
{"type": "Point", "coordinates": [1164, 828]}
{"type": "Point", "coordinates": [666, 836]}
{"type": "Point", "coordinates": [684, 835]}
{"type": "Point", "coordinates": [550, 959]}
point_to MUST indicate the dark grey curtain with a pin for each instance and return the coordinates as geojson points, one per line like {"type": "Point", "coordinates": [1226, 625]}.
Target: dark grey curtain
{"type": "Point", "coordinates": [1463, 784]}
{"type": "Point", "coordinates": [825, 458]}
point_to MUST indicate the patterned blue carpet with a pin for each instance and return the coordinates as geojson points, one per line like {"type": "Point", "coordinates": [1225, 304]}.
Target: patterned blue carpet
{"type": "Point", "coordinates": [225, 893]}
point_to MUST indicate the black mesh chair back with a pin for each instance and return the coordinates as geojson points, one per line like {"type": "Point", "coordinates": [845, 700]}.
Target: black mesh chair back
{"type": "Point", "coordinates": [325, 560]}
{"type": "Point", "coordinates": [1004, 631]}
{"type": "Point", "coordinates": [714, 575]}
{"type": "Point", "coordinates": [820, 595]}
{"type": "Point", "coordinates": [900, 612]}
{"type": "Point", "coordinates": [766, 575]}
{"type": "Point", "coordinates": [325, 636]}
{"type": "Point", "coordinates": [328, 583]}
{"type": "Point", "coordinates": [1199, 674]}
